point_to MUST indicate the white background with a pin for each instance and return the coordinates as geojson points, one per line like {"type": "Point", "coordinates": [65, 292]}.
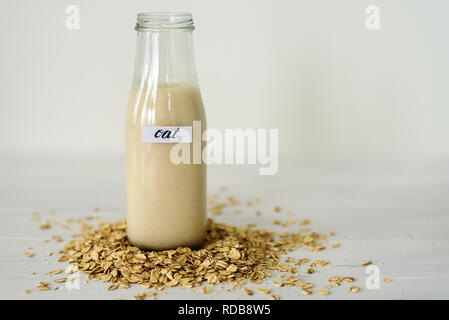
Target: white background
{"type": "Point", "coordinates": [362, 118]}
{"type": "Point", "coordinates": [335, 90]}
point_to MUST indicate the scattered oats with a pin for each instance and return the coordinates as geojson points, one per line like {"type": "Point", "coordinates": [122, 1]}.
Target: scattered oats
{"type": "Point", "coordinates": [46, 225]}
{"type": "Point", "coordinates": [249, 292]}
{"type": "Point", "coordinates": [71, 269]}
{"type": "Point", "coordinates": [96, 209]}
{"type": "Point", "coordinates": [212, 197]}
{"type": "Point", "coordinates": [112, 287]}
{"type": "Point", "coordinates": [306, 285]}
{"type": "Point", "coordinates": [61, 280]}
{"type": "Point", "coordinates": [55, 288]}
{"type": "Point", "coordinates": [336, 245]}
{"type": "Point", "coordinates": [387, 280]}
{"type": "Point", "coordinates": [143, 295]}
{"type": "Point", "coordinates": [249, 203]}
{"type": "Point", "coordinates": [290, 260]}
{"type": "Point", "coordinates": [206, 290]}
{"type": "Point", "coordinates": [283, 267]}
{"type": "Point", "coordinates": [29, 254]}
{"type": "Point", "coordinates": [289, 213]}
{"type": "Point", "coordinates": [310, 271]}
{"type": "Point", "coordinates": [264, 291]}
{"type": "Point", "coordinates": [35, 216]}
{"type": "Point", "coordinates": [277, 209]}
{"type": "Point", "coordinates": [230, 255]}
{"type": "Point", "coordinates": [232, 201]}
{"type": "Point", "coordinates": [238, 210]}
{"type": "Point", "coordinates": [33, 273]}
{"type": "Point", "coordinates": [304, 260]}
{"type": "Point", "coordinates": [288, 222]}
{"type": "Point", "coordinates": [306, 292]}
{"type": "Point", "coordinates": [348, 279]}
{"type": "Point", "coordinates": [304, 222]}
{"type": "Point", "coordinates": [323, 292]}
{"type": "Point", "coordinates": [57, 238]}
{"type": "Point", "coordinates": [335, 280]}
{"type": "Point", "coordinates": [367, 263]}
{"type": "Point", "coordinates": [139, 296]}
{"type": "Point", "coordinates": [320, 263]}
{"type": "Point", "coordinates": [275, 297]}
{"type": "Point", "coordinates": [256, 281]}
{"type": "Point", "coordinates": [55, 272]}
{"type": "Point", "coordinates": [353, 289]}
{"type": "Point", "coordinates": [276, 222]}
{"type": "Point", "coordinates": [217, 209]}
{"type": "Point", "coordinates": [43, 286]}
{"type": "Point", "coordinates": [26, 291]}
{"type": "Point", "coordinates": [258, 213]}
{"type": "Point", "coordinates": [332, 234]}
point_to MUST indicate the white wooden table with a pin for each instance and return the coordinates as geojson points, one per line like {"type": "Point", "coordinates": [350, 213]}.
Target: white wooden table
{"type": "Point", "coordinates": [396, 217]}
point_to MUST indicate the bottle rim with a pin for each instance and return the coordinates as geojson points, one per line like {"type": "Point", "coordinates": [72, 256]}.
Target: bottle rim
{"type": "Point", "coordinates": [160, 21]}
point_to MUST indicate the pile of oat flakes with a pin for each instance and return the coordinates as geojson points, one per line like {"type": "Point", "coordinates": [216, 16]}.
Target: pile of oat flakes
{"type": "Point", "coordinates": [234, 256]}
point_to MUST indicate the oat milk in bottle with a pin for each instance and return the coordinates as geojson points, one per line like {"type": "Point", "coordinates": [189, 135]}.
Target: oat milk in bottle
{"type": "Point", "coordinates": [166, 202]}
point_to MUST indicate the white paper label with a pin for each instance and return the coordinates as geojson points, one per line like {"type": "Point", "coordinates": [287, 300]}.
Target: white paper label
{"type": "Point", "coordinates": [164, 134]}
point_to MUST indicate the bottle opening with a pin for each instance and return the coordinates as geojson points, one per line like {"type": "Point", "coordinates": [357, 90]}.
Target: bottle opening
{"type": "Point", "coordinates": [159, 21]}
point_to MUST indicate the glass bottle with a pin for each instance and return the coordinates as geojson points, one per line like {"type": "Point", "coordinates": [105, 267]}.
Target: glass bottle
{"type": "Point", "coordinates": [166, 198]}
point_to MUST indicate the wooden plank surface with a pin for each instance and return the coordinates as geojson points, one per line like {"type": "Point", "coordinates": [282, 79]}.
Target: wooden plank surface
{"type": "Point", "coordinates": [396, 217]}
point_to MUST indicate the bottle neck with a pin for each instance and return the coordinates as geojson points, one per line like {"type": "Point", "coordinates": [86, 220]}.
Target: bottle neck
{"type": "Point", "coordinates": [164, 56]}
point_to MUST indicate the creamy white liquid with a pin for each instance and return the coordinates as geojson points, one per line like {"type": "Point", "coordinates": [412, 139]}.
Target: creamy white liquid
{"type": "Point", "coordinates": [166, 203]}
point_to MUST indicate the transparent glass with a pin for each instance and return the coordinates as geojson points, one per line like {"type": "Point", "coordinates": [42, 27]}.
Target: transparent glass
{"type": "Point", "coordinates": [166, 202]}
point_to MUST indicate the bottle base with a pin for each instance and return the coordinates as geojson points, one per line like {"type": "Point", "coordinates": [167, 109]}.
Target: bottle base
{"type": "Point", "coordinates": [145, 246]}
